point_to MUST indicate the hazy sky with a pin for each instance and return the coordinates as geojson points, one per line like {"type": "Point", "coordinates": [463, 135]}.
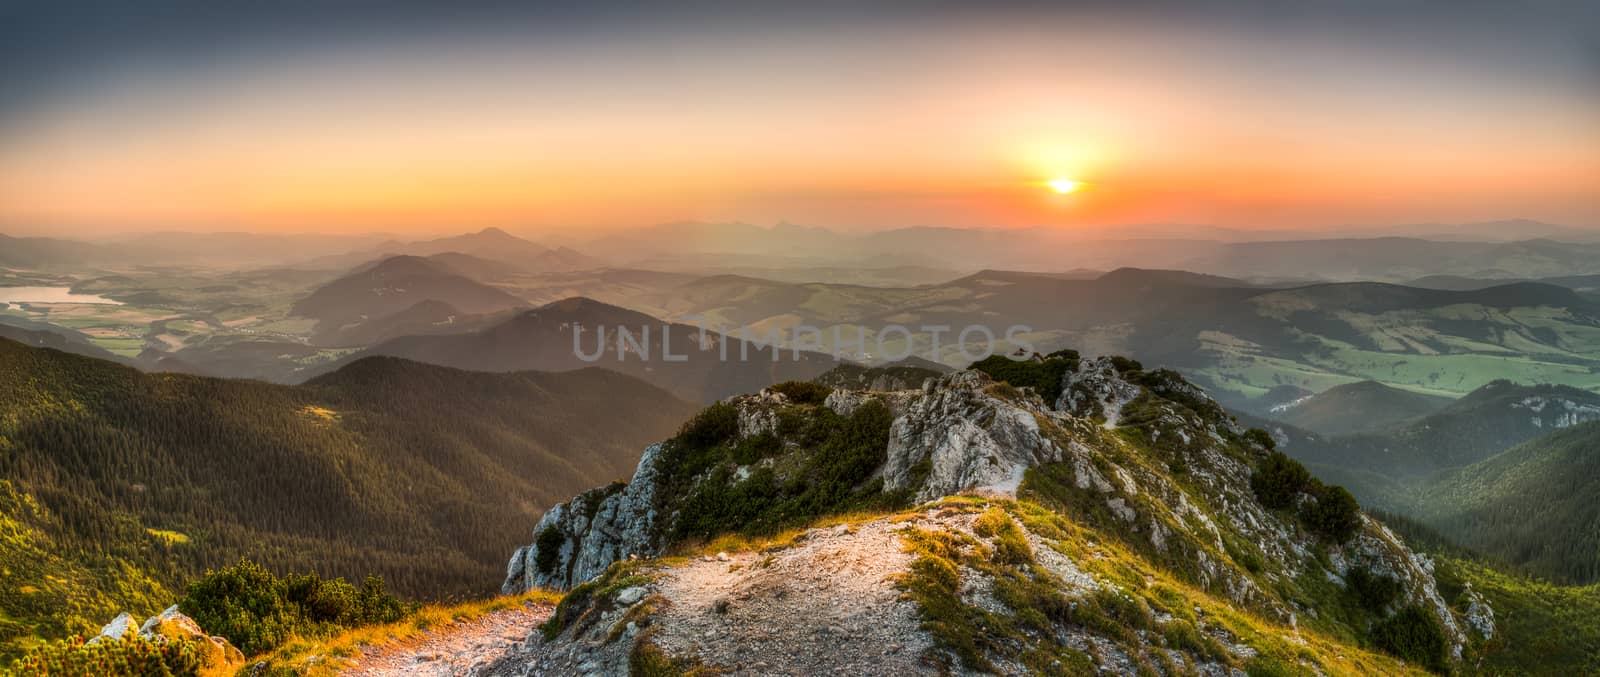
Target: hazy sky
{"type": "Point", "coordinates": [360, 116]}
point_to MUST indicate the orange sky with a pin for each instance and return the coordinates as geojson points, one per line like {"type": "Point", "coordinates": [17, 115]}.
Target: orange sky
{"type": "Point", "coordinates": [930, 124]}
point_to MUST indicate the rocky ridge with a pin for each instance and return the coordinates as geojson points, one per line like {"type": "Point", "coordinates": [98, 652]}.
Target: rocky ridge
{"type": "Point", "coordinates": [1137, 458]}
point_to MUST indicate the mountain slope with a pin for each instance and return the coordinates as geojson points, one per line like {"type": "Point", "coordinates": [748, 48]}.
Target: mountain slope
{"type": "Point", "coordinates": [1364, 406]}
{"type": "Point", "coordinates": [978, 529]}
{"type": "Point", "coordinates": [567, 335]}
{"type": "Point", "coordinates": [30, 252]}
{"type": "Point", "coordinates": [1482, 423]}
{"type": "Point", "coordinates": [1532, 506]}
{"type": "Point", "coordinates": [497, 245]}
{"type": "Point", "coordinates": [41, 335]}
{"type": "Point", "coordinates": [416, 472]}
{"type": "Point", "coordinates": [394, 285]}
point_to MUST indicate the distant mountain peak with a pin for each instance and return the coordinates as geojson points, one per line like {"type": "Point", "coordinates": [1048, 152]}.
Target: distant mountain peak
{"type": "Point", "coordinates": [493, 233]}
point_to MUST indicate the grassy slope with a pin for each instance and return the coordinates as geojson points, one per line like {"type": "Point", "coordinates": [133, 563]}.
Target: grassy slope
{"type": "Point", "coordinates": [1541, 629]}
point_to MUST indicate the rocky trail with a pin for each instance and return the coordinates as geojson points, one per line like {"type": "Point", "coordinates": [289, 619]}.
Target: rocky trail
{"type": "Point", "coordinates": [827, 604]}
{"type": "Point", "coordinates": [461, 648]}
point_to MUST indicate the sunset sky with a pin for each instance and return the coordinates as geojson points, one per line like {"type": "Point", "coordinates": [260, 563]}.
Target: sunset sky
{"type": "Point", "coordinates": [412, 118]}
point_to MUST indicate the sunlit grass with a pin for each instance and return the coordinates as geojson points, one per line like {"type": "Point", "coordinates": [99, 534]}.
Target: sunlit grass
{"type": "Point", "coordinates": [317, 657]}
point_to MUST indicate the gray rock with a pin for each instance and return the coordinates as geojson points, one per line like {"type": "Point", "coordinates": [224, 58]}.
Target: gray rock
{"type": "Point", "coordinates": [619, 525]}
{"type": "Point", "coordinates": [119, 626]}
{"type": "Point", "coordinates": [631, 596]}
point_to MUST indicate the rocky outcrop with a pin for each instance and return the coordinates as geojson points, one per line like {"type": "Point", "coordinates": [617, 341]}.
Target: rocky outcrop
{"type": "Point", "coordinates": [590, 532]}
{"type": "Point", "coordinates": [960, 436]}
{"type": "Point", "coordinates": [1096, 390]}
{"type": "Point", "coordinates": [1135, 455]}
{"type": "Point", "coordinates": [216, 653]}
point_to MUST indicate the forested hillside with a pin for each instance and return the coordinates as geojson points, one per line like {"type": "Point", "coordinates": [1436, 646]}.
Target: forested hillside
{"type": "Point", "coordinates": [1486, 421]}
{"type": "Point", "coordinates": [126, 483]}
{"type": "Point", "coordinates": [1532, 507]}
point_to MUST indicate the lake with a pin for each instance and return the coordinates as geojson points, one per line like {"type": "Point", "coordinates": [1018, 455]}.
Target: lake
{"type": "Point", "coordinates": [50, 295]}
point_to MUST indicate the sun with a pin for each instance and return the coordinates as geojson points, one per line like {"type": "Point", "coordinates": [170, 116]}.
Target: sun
{"type": "Point", "coordinates": [1063, 186]}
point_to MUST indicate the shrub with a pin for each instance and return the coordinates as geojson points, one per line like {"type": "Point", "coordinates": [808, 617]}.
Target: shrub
{"type": "Point", "coordinates": [1416, 635]}
{"type": "Point", "coordinates": [1272, 666]}
{"type": "Point", "coordinates": [548, 546]}
{"type": "Point", "coordinates": [130, 656]}
{"type": "Point", "coordinates": [756, 447]}
{"type": "Point", "coordinates": [1045, 377]}
{"type": "Point", "coordinates": [699, 445]}
{"type": "Point", "coordinates": [714, 425]}
{"type": "Point", "coordinates": [1124, 365]}
{"type": "Point", "coordinates": [1261, 438]}
{"type": "Point", "coordinates": [1373, 592]}
{"type": "Point", "coordinates": [1278, 480]}
{"type": "Point", "coordinates": [1335, 516]}
{"type": "Point", "coordinates": [258, 611]}
{"type": "Point", "coordinates": [803, 392]}
{"type": "Point", "coordinates": [835, 477]}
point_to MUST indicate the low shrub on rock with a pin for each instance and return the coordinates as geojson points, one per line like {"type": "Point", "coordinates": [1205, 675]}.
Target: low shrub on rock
{"type": "Point", "coordinates": [258, 611]}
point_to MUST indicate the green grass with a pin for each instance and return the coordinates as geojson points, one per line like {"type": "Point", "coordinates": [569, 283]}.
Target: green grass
{"type": "Point", "coordinates": [1542, 628]}
{"type": "Point", "coordinates": [1039, 605]}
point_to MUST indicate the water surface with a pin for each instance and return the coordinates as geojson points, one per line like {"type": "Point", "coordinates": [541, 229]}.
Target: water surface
{"type": "Point", "coordinates": [50, 295]}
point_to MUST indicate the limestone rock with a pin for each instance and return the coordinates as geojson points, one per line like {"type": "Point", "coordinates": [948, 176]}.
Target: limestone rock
{"type": "Point", "coordinates": [117, 628]}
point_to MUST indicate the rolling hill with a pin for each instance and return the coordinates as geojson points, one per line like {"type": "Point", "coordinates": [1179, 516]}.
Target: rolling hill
{"type": "Point", "coordinates": [1240, 340]}
{"type": "Point", "coordinates": [392, 286]}
{"type": "Point", "coordinates": [1361, 407]}
{"type": "Point", "coordinates": [122, 485]}
{"type": "Point", "coordinates": [30, 252]}
{"type": "Point", "coordinates": [1485, 422]}
{"type": "Point", "coordinates": [497, 245]}
{"type": "Point", "coordinates": [544, 339]}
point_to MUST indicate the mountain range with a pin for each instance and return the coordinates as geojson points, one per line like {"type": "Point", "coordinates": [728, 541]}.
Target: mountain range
{"type": "Point", "coordinates": [395, 285]}
{"type": "Point", "coordinates": [578, 333]}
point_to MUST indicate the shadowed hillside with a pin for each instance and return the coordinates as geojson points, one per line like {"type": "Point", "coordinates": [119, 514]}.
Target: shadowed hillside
{"type": "Point", "coordinates": [416, 472]}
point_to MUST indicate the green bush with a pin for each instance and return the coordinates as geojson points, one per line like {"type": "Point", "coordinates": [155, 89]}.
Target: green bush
{"type": "Point", "coordinates": [1335, 516]}
{"type": "Point", "coordinates": [258, 611]}
{"type": "Point", "coordinates": [1373, 592]}
{"type": "Point", "coordinates": [803, 392]}
{"type": "Point", "coordinates": [756, 447]}
{"type": "Point", "coordinates": [1124, 365]}
{"type": "Point", "coordinates": [1045, 377]}
{"type": "Point", "coordinates": [1278, 480]}
{"type": "Point", "coordinates": [699, 445]}
{"type": "Point", "coordinates": [130, 656]}
{"type": "Point", "coordinates": [714, 425]}
{"type": "Point", "coordinates": [1271, 666]}
{"type": "Point", "coordinates": [843, 453]}
{"type": "Point", "coordinates": [548, 544]}
{"type": "Point", "coordinates": [1261, 438]}
{"type": "Point", "coordinates": [1416, 635]}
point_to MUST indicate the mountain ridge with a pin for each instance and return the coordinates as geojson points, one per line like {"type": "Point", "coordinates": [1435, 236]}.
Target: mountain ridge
{"type": "Point", "coordinates": [1098, 464]}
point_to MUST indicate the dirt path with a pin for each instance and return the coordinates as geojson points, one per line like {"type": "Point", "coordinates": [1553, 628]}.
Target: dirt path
{"type": "Point", "coordinates": [460, 648]}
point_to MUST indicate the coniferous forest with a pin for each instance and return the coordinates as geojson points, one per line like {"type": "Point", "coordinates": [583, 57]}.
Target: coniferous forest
{"type": "Point", "coordinates": [122, 486]}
